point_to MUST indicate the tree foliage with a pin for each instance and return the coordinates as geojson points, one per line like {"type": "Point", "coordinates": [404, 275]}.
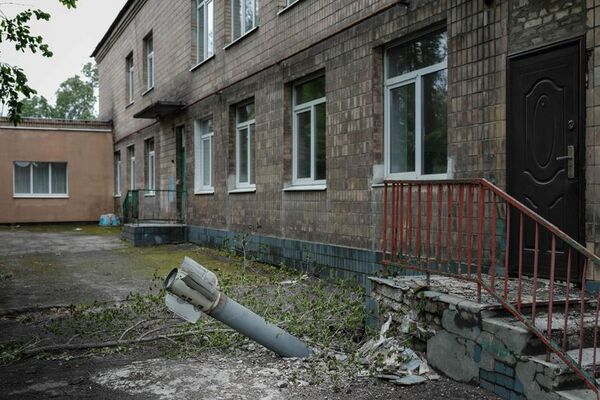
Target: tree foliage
{"type": "Point", "coordinates": [75, 98]}
{"type": "Point", "coordinates": [16, 31]}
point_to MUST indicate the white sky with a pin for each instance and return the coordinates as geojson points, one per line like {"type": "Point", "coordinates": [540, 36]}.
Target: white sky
{"type": "Point", "coordinates": [72, 35]}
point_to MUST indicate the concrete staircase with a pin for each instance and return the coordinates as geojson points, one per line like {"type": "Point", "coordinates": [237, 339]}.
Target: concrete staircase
{"type": "Point", "coordinates": [484, 344]}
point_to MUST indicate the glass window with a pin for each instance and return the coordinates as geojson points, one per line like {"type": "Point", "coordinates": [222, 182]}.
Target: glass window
{"type": "Point", "coordinates": [131, 154]}
{"type": "Point", "coordinates": [118, 173]}
{"type": "Point", "coordinates": [245, 126]}
{"type": "Point", "coordinates": [42, 179]}
{"type": "Point", "coordinates": [203, 155]}
{"type": "Point", "coordinates": [309, 140]}
{"type": "Point", "coordinates": [204, 29]}
{"type": "Point", "coordinates": [130, 74]}
{"type": "Point", "coordinates": [243, 17]}
{"type": "Point", "coordinates": [149, 46]}
{"type": "Point", "coordinates": [416, 113]}
{"type": "Point", "coordinates": [150, 167]}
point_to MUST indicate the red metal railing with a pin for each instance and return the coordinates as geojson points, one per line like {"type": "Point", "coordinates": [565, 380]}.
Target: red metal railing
{"type": "Point", "coordinates": [474, 231]}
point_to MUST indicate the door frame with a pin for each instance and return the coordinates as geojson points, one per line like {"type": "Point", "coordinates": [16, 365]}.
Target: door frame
{"type": "Point", "coordinates": [581, 151]}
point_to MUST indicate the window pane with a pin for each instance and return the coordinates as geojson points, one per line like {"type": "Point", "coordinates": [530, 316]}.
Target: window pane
{"type": "Point", "coordinates": [249, 15]}
{"type": "Point", "coordinates": [402, 129]}
{"type": "Point", "coordinates": [251, 159]}
{"type": "Point", "coordinates": [209, 28]}
{"type": "Point", "coordinates": [41, 178]}
{"type": "Point", "coordinates": [303, 144]}
{"type": "Point", "coordinates": [418, 54]}
{"type": "Point", "coordinates": [22, 178]}
{"type": "Point", "coordinates": [59, 178]}
{"type": "Point", "coordinates": [245, 112]}
{"type": "Point", "coordinates": [310, 90]}
{"type": "Point", "coordinates": [200, 32]}
{"type": "Point", "coordinates": [243, 154]}
{"type": "Point", "coordinates": [236, 18]}
{"type": "Point", "coordinates": [435, 155]}
{"type": "Point", "coordinates": [320, 155]}
{"type": "Point", "coordinates": [206, 126]}
{"type": "Point", "coordinates": [206, 161]}
{"type": "Point", "coordinates": [150, 72]}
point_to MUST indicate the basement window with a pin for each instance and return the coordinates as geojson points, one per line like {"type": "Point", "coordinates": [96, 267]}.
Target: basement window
{"type": "Point", "coordinates": [40, 179]}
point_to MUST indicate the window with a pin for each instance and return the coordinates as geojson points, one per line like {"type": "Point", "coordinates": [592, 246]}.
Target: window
{"type": "Point", "coordinates": [118, 173]}
{"type": "Point", "coordinates": [203, 136]}
{"type": "Point", "coordinates": [40, 179]}
{"type": "Point", "coordinates": [149, 50]}
{"type": "Point", "coordinates": [150, 167]}
{"type": "Point", "coordinates": [243, 17]}
{"type": "Point", "coordinates": [416, 81]}
{"type": "Point", "coordinates": [244, 146]}
{"type": "Point", "coordinates": [131, 153]}
{"type": "Point", "coordinates": [129, 71]}
{"type": "Point", "coordinates": [204, 30]}
{"type": "Point", "coordinates": [309, 159]}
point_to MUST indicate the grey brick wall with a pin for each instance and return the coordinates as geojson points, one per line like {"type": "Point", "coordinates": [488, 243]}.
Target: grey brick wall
{"type": "Point", "coordinates": [322, 35]}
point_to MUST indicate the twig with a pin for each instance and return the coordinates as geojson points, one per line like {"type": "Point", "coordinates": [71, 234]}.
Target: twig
{"type": "Point", "coordinates": [114, 343]}
{"type": "Point", "coordinates": [126, 331]}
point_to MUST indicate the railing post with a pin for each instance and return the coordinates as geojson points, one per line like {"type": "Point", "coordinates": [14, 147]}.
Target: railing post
{"type": "Point", "coordinates": [384, 239]}
{"type": "Point", "coordinates": [481, 215]}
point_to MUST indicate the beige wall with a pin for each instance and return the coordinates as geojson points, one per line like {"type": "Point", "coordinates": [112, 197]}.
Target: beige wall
{"type": "Point", "coordinates": [89, 158]}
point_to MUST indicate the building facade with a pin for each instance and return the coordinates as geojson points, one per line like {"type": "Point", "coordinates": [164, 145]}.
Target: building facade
{"type": "Point", "coordinates": [55, 171]}
{"type": "Point", "coordinates": [288, 115]}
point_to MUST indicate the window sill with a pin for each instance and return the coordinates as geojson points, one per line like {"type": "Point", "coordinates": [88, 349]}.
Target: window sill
{"type": "Point", "coordinates": [148, 91]}
{"type": "Point", "coordinates": [283, 10]}
{"type": "Point", "coordinates": [129, 105]}
{"type": "Point", "coordinates": [40, 196]}
{"type": "Point", "coordinates": [205, 192]}
{"type": "Point", "coordinates": [198, 65]}
{"type": "Point", "coordinates": [243, 190]}
{"type": "Point", "coordinates": [412, 177]}
{"type": "Point", "coordinates": [116, 196]}
{"type": "Point", "coordinates": [152, 194]}
{"type": "Point", "coordinates": [241, 37]}
{"type": "Point", "coordinates": [305, 188]}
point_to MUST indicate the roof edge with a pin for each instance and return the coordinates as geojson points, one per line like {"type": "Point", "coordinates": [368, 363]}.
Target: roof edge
{"type": "Point", "coordinates": [58, 124]}
{"type": "Point", "coordinates": [112, 27]}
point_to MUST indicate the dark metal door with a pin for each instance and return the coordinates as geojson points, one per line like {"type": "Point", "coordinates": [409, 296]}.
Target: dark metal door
{"type": "Point", "coordinates": [544, 143]}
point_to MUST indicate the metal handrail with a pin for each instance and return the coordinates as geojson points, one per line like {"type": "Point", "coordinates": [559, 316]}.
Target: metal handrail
{"type": "Point", "coordinates": [408, 242]}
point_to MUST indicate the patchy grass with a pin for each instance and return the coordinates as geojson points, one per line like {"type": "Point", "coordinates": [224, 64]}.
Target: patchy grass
{"type": "Point", "coordinates": [328, 316]}
{"type": "Point", "coordinates": [74, 228]}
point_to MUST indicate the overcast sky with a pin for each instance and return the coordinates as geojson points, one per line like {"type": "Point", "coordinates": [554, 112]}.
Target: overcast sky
{"type": "Point", "coordinates": [71, 34]}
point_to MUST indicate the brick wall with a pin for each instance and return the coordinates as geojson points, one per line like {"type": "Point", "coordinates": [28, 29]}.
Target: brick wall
{"type": "Point", "coordinates": [300, 42]}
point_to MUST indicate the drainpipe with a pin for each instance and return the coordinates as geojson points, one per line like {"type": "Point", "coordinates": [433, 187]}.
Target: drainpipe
{"type": "Point", "coordinates": [193, 290]}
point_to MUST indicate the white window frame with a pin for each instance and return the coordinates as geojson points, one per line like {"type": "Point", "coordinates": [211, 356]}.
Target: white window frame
{"type": "Point", "coordinates": [242, 27]}
{"type": "Point", "coordinates": [132, 177]}
{"type": "Point", "coordinates": [118, 175]}
{"type": "Point", "coordinates": [416, 78]}
{"type": "Point", "coordinates": [48, 195]}
{"type": "Point", "coordinates": [202, 36]}
{"type": "Point", "coordinates": [151, 169]}
{"type": "Point", "coordinates": [200, 141]}
{"type": "Point", "coordinates": [149, 62]}
{"type": "Point", "coordinates": [130, 76]}
{"type": "Point", "coordinates": [238, 128]}
{"type": "Point", "coordinates": [297, 109]}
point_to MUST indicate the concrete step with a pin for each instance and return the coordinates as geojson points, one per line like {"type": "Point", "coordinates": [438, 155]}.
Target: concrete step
{"type": "Point", "coordinates": [577, 394]}
{"type": "Point", "coordinates": [557, 375]}
{"type": "Point", "coordinates": [526, 343]}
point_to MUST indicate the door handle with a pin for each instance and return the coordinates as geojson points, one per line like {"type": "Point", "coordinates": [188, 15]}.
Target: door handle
{"type": "Point", "coordinates": [570, 157]}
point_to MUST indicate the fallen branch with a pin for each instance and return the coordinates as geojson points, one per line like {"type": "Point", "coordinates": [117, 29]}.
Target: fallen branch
{"type": "Point", "coordinates": [113, 343]}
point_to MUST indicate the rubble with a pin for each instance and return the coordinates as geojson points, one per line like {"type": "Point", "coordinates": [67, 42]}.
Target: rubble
{"type": "Point", "coordinates": [389, 359]}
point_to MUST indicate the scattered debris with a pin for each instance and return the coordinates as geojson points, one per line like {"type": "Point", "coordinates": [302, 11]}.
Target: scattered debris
{"type": "Point", "coordinates": [390, 359]}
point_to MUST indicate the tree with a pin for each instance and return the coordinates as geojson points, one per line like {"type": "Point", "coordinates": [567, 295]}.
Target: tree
{"type": "Point", "coordinates": [16, 31]}
{"type": "Point", "coordinates": [36, 107]}
{"type": "Point", "coordinates": [75, 98]}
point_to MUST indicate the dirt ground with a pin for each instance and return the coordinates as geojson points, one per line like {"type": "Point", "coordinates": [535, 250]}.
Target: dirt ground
{"type": "Point", "coordinates": [45, 271]}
